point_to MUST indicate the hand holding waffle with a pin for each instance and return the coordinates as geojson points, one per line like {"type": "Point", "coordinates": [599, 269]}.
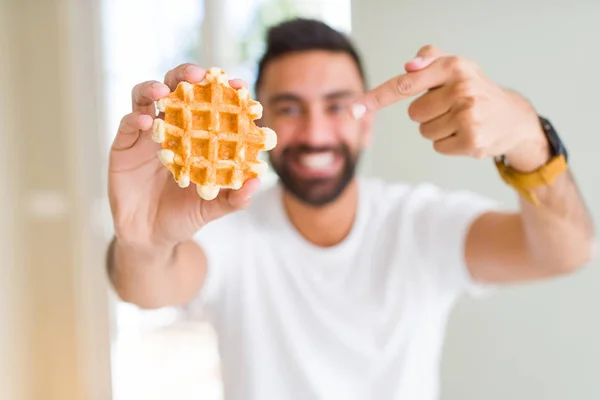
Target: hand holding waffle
{"type": "Point", "coordinates": [195, 162]}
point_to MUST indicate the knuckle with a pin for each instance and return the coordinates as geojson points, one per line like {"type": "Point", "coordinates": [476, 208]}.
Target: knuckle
{"type": "Point", "coordinates": [404, 85]}
{"type": "Point", "coordinates": [376, 100]}
{"type": "Point", "coordinates": [468, 115]}
{"type": "Point", "coordinates": [182, 67]}
{"type": "Point", "coordinates": [141, 88]}
{"type": "Point", "coordinates": [464, 88]}
{"type": "Point", "coordinates": [469, 102]}
{"type": "Point", "coordinates": [135, 90]}
{"type": "Point", "coordinates": [121, 224]}
{"type": "Point", "coordinates": [175, 72]}
{"type": "Point", "coordinates": [127, 118]}
{"type": "Point", "coordinates": [457, 64]}
{"type": "Point", "coordinates": [473, 145]}
{"type": "Point", "coordinates": [186, 68]}
{"type": "Point", "coordinates": [128, 121]}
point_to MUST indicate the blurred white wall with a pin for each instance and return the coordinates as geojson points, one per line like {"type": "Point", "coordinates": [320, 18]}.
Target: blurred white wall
{"type": "Point", "coordinates": [536, 341]}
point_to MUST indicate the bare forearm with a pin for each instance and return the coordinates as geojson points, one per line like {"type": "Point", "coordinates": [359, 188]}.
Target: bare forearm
{"type": "Point", "coordinates": [559, 231]}
{"type": "Point", "coordinates": [153, 277]}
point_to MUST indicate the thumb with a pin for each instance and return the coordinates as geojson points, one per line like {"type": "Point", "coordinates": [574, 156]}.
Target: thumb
{"type": "Point", "coordinates": [239, 199]}
{"type": "Point", "coordinates": [228, 201]}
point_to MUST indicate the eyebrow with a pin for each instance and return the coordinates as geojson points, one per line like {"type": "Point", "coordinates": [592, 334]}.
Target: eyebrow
{"type": "Point", "coordinates": [282, 97]}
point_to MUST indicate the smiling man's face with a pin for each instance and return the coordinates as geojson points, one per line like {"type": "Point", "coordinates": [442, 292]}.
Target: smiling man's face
{"type": "Point", "coordinates": [305, 96]}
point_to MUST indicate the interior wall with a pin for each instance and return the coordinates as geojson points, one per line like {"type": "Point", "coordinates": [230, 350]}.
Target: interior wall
{"type": "Point", "coordinates": [57, 341]}
{"type": "Point", "coordinates": [83, 74]}
{"type": "Point", "coordinates": [534, 341]}
{"type": "Point", "coordinates": [12, 361]}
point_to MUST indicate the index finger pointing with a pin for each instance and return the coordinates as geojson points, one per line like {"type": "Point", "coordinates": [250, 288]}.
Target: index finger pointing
{"type": "Point", "coordinates": [399, 88]}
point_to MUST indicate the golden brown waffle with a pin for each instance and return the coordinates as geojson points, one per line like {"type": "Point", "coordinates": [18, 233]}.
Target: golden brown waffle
{"type": "Point", "coordinates": [209, 137]}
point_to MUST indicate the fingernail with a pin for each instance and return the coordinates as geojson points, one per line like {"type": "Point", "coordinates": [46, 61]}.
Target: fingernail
{"type": "Point", "coordinates": [253, 192]}
{"type": "Point", "coordinates": [419, 60]}
{"type": "Point", "coordinates": [192, 68]}
{"type": "Point", "coordinates": [358, 111]}
{"type": "Point", "coordinates": [161, 86]}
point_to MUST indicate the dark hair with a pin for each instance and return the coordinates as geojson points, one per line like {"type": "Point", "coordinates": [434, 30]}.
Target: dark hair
{"type": "Point", "coordinates": [302, 34]}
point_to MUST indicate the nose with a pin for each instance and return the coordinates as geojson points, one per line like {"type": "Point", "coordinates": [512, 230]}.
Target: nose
{"type": "Point", "coordinates": [317, 129]}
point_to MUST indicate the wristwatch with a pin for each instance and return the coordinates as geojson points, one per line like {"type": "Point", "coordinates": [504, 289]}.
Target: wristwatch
{"type": "Point", "coordinates": [524, 183]}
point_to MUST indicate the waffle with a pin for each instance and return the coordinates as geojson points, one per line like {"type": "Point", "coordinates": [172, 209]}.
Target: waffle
{"type": "Point", "coordinates": [209, 137]}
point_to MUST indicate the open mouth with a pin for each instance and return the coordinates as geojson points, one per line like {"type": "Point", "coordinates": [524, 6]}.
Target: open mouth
{"type": "Point", "coordinates": [317, 164]}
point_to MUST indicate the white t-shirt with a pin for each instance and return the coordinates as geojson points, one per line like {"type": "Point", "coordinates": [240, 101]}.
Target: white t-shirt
{"type": "Point", "coordinates": [364, 319]}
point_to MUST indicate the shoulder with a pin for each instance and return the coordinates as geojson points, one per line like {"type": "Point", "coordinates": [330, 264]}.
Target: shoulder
{"type": "Point", "coordinates": [423, 200]}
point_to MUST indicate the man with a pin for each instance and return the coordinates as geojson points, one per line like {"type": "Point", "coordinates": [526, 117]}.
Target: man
{"type": "Point", "coordinates": [329, 285]}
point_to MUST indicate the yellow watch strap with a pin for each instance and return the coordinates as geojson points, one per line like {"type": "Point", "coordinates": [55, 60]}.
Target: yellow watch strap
{"type": "Point", "coordinates": [525, 182]}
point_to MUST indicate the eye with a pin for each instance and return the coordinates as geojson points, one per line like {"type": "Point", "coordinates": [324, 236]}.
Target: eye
{"type": "Point", "coordinates": [336, 108]}
{"type": "Point", "coordinates": [288, 110]}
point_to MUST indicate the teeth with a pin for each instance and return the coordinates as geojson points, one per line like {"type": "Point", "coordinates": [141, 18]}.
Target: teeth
{"type": "Point", "coordinates": [317, 161]}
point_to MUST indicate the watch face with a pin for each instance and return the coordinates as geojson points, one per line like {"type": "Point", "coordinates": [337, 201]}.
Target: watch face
{"type": "Point", "coordinates": [556, 146]}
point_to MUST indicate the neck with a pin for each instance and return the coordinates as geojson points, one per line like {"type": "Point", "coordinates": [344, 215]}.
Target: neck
{"type": "Point", "coordinates": [326, 225]}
